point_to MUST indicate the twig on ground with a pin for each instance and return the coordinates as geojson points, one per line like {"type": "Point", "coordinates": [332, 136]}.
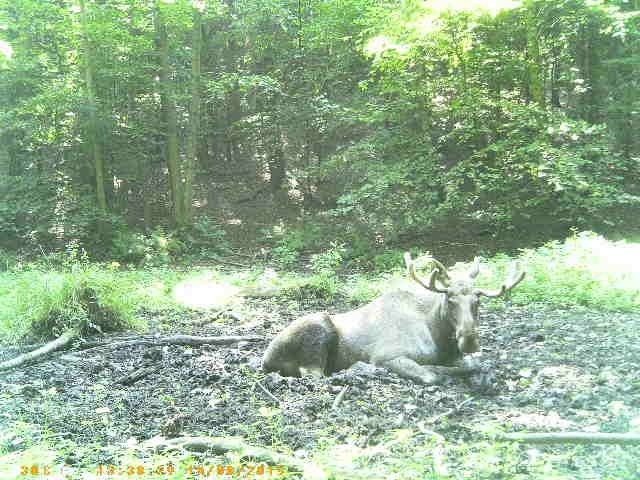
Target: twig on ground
{"type": "Point", "coordinates": [60, 342]}
{"type": "Point", "coordinates": [133, 377]}
{"type": "Point", "coordinates": [269, 394]}
{"type": "Point", "coordinates": [446, 413]}
{"type": "Point", "coordinates": [339, 398]}
{"type": "Point", "coordinates": [571, 437]}
{"type": "Point", "coordinates": [229, 262]}
{"type": "Point", "coordinates": [180, 340]}
{"type": "Point", "coordinates": [211, 318]}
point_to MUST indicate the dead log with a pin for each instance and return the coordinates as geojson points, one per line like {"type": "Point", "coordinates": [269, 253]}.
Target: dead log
{"type": "Point", "coordinates": [180, 340]}
{"type": "Point", "coordinates": [572, 437]}
{"type": "Point", "coordinates": [222, 445]}
{"type": "Point", "coordinates": [60, 342]}
{"type": "Point", "coordinates": [446, 413]}
{"type": "Point", "coordinates": [218, 340]}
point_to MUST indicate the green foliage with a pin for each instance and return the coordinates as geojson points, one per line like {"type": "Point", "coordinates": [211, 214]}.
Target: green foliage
{"type": "Point", "coordinates": [388, 260]}
{"type": "Point", "coordinates": [290, 244]}
{"type": "Point", "coordinates": [156, 248]}
{"type": "Point", "coordinates": [377, 122]}
{"type": "Point", "coordinates": [585, 270]}
{"type": "Point", "coordinates": [545, 168]}
{"type": "Point", "coordinates": [204, 239]}
{"type": "Point", "coordinates": [324, 284]}
{"type": "Point", "coordinates": [329, 261]}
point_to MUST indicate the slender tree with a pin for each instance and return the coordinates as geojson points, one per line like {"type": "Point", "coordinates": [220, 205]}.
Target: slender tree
{"type": "Point", "coordinates": [95, 138]}
{"type": "Point", "coordinates": [170, 117]}
{"type": "Point", "coordinates": [194, 111]}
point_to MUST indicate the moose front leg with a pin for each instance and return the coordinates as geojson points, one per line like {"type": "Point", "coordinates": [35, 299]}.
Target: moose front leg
{"type": "Point", "coordinates": [407, 368]}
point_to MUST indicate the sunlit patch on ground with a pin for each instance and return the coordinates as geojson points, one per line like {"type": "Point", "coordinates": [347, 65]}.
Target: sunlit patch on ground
{"type": "Point", "coordinates": [206, 292]}
{"type": "Point", "coordinates": [540, 421]}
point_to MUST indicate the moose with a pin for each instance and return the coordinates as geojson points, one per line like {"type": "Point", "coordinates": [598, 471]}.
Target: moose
{"type": "Point", "coordinates": [414, 331]}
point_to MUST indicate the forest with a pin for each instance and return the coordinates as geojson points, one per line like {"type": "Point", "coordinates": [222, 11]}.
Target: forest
{"type": "Point", "coordinates": [180, 180]}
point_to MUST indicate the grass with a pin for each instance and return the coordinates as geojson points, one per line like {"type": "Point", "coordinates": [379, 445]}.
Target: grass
{"type": "Point", "coordinates": [39, 301]}
{"type": "Point", "coordinates": [586, 270]}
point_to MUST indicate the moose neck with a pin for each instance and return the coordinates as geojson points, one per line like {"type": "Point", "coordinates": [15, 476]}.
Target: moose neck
{"type": "Point", "coordinates": [443, 332]}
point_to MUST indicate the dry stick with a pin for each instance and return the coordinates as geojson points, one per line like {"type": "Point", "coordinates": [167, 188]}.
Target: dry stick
{"type": "Point", "coordinates": [454, 371]}
{"type": "Point", "coordinates": [449, 412]}
{"type": "Point", "coordinates": [221, 445]}
{"type": "Point", "coordinates": [60, 342]}
{"type": "Point", "coordinates": [218, 340]}
{"type": "Point", "coordinates": [233, 264]}
{"type": "Point", "coordinates": [240, 254]}
{"type": "Point", "coordinates": [180, 340]}
{"type": "Point", "coordinates": [572, 437]}
{"type": "Point", "coordinates": [339, 398]}
{"type": "Point", "coordinates": [269, 394]}
{"type": "Point", "coordinates": [211, 318]}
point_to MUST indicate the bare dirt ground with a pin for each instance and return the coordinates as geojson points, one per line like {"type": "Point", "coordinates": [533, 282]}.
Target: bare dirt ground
{"type": "Point", "coordinates": [549, 370]}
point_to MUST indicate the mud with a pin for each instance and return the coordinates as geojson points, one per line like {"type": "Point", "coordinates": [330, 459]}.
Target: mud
{"type": "Point", "coordinates": [547, 370]}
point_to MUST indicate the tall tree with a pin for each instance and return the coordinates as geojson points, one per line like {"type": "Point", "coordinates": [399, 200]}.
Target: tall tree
{"type": "Point", "coordinates": [170, 117]}
{"type": "Point", "coordinates": [94, 134]}
{"type": "Point", "coordinates": [194, 111]}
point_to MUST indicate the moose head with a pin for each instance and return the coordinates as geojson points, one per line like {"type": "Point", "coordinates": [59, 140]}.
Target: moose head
{"type": "Point", "coordinates": [462, 298]}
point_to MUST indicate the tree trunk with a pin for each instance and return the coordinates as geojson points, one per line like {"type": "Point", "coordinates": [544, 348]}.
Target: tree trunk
{"type": "Point", "coordinates": [94, 137]}
{"type": "Point", "coordinates": [555, 78]}
{"type": "Point", "coordinates": [170, 117]}
{"type": "Point", "coordinates": [194, 116]}
{"type": "Point", "coordinates": [534, 69]}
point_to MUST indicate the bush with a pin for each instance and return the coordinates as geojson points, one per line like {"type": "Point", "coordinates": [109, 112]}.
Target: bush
{"type": "Point", "coordinates": [290, 244]}
{"type": "Point", "coordinates": [205, 238]}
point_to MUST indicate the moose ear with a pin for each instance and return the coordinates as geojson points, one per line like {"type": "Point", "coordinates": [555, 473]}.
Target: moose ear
{"type": "Point", "coordinates": [475, 268]}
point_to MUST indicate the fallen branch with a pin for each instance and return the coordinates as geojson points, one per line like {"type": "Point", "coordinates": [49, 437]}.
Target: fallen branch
{"type": "Point", "coordinates": [221, 445]}
{"type": "Point", "coordinates": [211, 318]}
{"type": "Point", "coordinates": [60, 342]}
{"type": "Point", "coordinates": [572, 437]}
{"type": "Point", "coordinates": [454, 371]}
{"type": "Point", "coordinates": [339, 398]}
{"type": "Point", "coordinates": [449, 412]}
{"type": "Point", "coordinates": [180, 340]}
{"type": "Point", "coordinates": [269, 394]}
{"type": "Point", "coordinates": [229, 262]}
{"type": "Point", "coordinates": [218, 340]}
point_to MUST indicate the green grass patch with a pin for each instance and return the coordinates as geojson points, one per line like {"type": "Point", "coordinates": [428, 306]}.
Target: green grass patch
{"type": "Point", "coordinates": [37, 302]}
{"type": "Point", "coordinates": [585, 270]}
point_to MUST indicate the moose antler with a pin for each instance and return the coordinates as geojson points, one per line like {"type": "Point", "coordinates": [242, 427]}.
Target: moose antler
{"type": "Point", "coordinates": [431, 284]}
{"type": "Point", "coordinates": [515, 277]}
{"type": "Point", "coordinates": [475, 268]}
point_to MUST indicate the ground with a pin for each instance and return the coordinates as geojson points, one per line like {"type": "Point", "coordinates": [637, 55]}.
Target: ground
{"type": "Point", "coordinates": [548, 370]}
